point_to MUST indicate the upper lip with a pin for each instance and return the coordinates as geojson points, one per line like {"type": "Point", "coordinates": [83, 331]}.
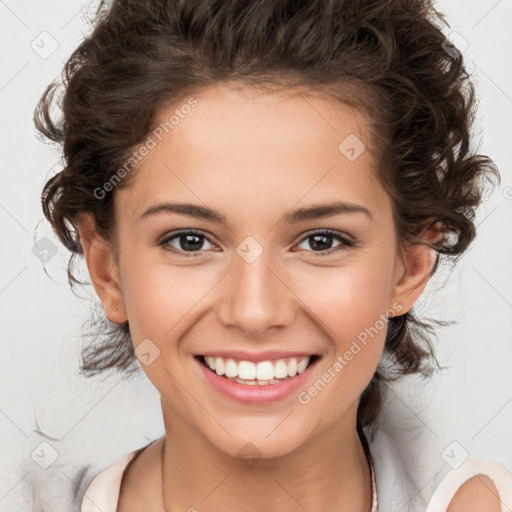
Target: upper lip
{"type": "Point", "coordinates": [266, 355]}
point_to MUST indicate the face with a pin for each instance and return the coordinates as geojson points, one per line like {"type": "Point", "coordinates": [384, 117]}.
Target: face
{"type": "Point", "coordinates": [269, 271]}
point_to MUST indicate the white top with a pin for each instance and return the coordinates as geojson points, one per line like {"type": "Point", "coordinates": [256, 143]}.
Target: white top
{"type": "Point", "coordinates": [392, 482]}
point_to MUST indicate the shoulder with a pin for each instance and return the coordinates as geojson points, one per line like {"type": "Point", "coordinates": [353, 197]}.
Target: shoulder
{"type": "Point", "coordinates": [107, 488]}
{"type": "Point", "coordinates": [477, 494]}
{"type": "Point", "coordinates": [103, 490]}
{"type": "Point", "coordinates": [478, 485]}
{"type": "Point", "coordinates": [140, 487]}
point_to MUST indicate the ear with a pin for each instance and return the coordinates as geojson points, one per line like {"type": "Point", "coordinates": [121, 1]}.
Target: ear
{"type": "Point", "coordinates": [103, 268]}
{"type": "Point", "coordinates": [412, 271]}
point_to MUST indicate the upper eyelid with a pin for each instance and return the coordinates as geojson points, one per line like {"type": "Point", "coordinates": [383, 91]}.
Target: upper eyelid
{"type": "Point", "coordinates": [172, 234]}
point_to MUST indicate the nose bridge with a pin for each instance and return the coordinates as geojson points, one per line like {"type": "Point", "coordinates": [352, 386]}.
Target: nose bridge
{"type": "Point", "coordinates": [255, 298]}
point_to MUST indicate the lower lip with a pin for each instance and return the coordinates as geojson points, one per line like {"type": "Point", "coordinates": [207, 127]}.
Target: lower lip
{"type": "Point", "coordinates": [256, 394]}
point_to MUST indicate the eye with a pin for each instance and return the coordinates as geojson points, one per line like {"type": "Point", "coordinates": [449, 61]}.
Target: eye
{"type": "Point", "coordinates": [185, 241]}
{"type": "Point", "coordinates": [191, 241]}
{"type": "Point", "coordinates": [321, 242]}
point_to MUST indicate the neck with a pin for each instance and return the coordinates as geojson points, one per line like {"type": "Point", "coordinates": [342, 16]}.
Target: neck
{"type": "Point", "coordinates": [329, 471]}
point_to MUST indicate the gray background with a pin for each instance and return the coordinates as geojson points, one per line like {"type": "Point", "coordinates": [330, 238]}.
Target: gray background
{"type": "Point", "coordinates": [44, 400]}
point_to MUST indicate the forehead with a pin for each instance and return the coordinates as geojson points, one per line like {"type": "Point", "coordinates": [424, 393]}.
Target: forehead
{"type": "Point", "coordinates": [239, 147]}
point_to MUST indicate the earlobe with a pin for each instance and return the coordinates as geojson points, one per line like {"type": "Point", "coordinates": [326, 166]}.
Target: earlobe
{"type": "Point", "coordinates": [102, 267]}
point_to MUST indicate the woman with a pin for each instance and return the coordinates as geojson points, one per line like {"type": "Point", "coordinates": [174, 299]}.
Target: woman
{"type": "Point", "coordinates": [261, 191]}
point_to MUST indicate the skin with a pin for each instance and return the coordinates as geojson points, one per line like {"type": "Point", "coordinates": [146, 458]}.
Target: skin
{"type": "Point", "coordinates": [254, 157]}
{"type": "Point", "coordinates": [477, 494]}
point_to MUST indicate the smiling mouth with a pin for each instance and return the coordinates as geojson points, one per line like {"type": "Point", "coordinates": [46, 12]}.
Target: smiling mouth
{"type": "Point", "coordinates": [258, 374]}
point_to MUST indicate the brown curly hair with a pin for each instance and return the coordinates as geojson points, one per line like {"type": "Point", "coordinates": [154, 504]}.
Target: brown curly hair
{"type": "Point", "coordinates": [387, 58]}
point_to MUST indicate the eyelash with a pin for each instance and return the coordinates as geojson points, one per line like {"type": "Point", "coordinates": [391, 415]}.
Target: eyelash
{"type": "Point", "coordinates": [345, 242]}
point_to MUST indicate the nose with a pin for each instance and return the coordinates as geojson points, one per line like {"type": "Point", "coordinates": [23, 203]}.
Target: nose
{"type": "Point", "coordinates": [255, 298]}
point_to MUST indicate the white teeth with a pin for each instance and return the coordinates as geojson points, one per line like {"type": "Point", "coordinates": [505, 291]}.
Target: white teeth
{"type": "Point", "coordinates": [292, 367]}
{"type": "Point", "coordinates": [247, 370]}
{"type": "Point", "coordinates": [280, 370]}
{"type": "Point", "coordinates": [219, 366]}
{"type": "Point", "coordinates": [262, 373]}
{"type": "Point", "coordinates": [231, 368]}
{"type": "Point", "coordinates": [256, 382]}
{"type": "Point", "coordinates": [301, 365]}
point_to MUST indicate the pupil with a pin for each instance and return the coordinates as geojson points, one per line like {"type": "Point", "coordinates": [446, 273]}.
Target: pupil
{"type": "Point", "coordinates": [322, 244]}
{"type": "Point", "coordinates": [188, 244]}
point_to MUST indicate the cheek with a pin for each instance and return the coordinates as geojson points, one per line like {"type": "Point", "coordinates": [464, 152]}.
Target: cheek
{"type": "Point", "coordinates": [348, 299]}
{"type": "Point", "coordinates": [160, 303]}
{"type": "Point", "coordinates": [351, 307]}
{"type": "Point", "coordinates": [362, 300]}
{"type": "Point", "coordinates": [159, 296]}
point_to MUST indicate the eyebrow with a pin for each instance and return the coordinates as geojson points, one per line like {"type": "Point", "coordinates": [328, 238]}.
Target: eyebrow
{"type": "Point", "coordinates": [313, 212]}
